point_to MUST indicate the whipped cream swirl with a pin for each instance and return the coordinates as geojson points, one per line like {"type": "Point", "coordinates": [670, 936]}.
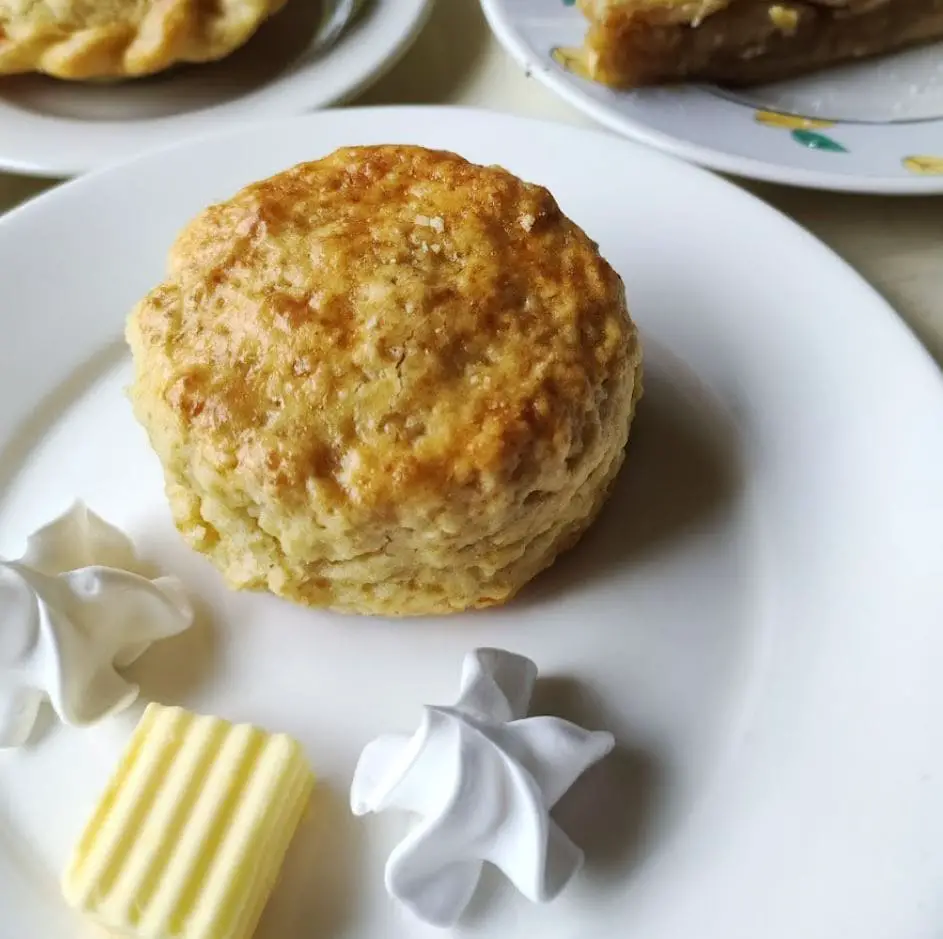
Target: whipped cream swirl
{"type": "Point", "coordinates": [482, 778]}
{"type": "Point", "coordinates": [73, 610]}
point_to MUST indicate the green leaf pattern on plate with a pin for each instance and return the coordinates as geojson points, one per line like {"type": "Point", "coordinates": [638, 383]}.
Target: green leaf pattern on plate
{"type": "Point", "coordinates": [816, 141]}
{"type": "Point", "coordinates": [806, 131]}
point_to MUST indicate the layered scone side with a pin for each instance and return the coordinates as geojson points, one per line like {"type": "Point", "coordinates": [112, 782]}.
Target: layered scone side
{"type": "Point", "coordinates": [387, 381]}
{"type": "Point", "coordinates": [83, 39]}
{"type": "Point", "coordinates": [741, 42]}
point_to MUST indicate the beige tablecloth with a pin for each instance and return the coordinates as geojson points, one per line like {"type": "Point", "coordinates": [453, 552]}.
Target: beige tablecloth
{"type": "Point", "coordinates": [896, 243]}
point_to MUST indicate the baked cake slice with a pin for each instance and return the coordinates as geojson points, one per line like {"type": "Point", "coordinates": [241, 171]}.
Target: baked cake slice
{"type": "Point", "coordinates": [742, 42]}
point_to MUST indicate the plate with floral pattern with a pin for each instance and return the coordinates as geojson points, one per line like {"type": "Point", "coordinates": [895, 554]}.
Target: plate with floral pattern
{"type": "Point", "coordinates": [870, 127]}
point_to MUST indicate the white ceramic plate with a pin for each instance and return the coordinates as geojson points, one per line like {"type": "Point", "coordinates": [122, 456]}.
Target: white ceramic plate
{"type": "Point", "coordinates": [873, 127]}
{"type": "Point", "coordinates": [57, 128]}
{"type": "Point", "coordinates": [756, 616]}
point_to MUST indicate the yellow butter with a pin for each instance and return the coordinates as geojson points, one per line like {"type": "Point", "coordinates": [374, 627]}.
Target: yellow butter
{"type": "Point", "coordinates": [188, 838]}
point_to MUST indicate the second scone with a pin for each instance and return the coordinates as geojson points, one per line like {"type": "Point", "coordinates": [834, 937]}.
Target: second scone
{"type": "Point", "coordinates": [388, 381]}
{"type": "Point", "coordinates": [95, 39]}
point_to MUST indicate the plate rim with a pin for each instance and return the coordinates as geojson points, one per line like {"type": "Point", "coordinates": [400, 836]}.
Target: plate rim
{"type": "Point", "coordinates": [503, 27]}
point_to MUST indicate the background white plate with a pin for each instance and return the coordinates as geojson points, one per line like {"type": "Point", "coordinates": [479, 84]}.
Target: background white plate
{"type": "Point", "coordinates": [871, 127]}
{"type": "Point", "coordinates": [756, 616]}
{"type": "Point", "coordinates": [58, 128]}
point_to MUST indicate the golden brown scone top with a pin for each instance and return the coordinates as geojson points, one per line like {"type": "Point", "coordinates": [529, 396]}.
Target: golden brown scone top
{"type": "Point", "coordinates": [387, 322]}
{"type": "Point", "coordinates": [79, 39]}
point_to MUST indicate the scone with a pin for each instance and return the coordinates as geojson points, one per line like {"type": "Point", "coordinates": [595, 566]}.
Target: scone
{"type": "Point", "coordinates": [388, 381]}
{"type": "Point", "coordinates": [741, 42]}
{"type": "Point", "coordinates": [83, 39]}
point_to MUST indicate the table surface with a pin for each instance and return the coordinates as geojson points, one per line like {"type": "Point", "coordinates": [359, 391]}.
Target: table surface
{"type": "Point", "coordinates": [895, 243]}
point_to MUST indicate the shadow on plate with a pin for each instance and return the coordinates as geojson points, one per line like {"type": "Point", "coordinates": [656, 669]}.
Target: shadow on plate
{"type": "Point", "coordinates": [682, 468]}
{"type": "Point", "coordinates": [46, 721]}
{"type": "Point", "coordinates": [173, 669]}
{"type": "Point", "coordinates": [611, 810]}
{"type": "Point", "coordinates": [612, 807]}
{"type": "Point", "coordinates": [280, 43]}
{"type": "Point", "coordinates": [30, 431]}
{"type": "Point", "coordinates": [317, 890]}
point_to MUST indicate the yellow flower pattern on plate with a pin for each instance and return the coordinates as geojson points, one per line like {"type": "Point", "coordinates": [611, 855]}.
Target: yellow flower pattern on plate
{"type": "Point", "coordinates": [924, 165]}
{"type": "Point", "coordinates": [572, 59]}
{"type": "Point", "coordinates": [791, 121]}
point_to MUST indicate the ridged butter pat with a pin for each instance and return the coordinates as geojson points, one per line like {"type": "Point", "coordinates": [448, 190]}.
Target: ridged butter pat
{"type": "Point", "coordinates": [188, 838]}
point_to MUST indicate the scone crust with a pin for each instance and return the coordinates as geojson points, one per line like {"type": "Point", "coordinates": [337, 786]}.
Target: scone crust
{"type": "Point", "coordinates": [386, 381]}
{"type": "Point", "coordinates": [84, 39]}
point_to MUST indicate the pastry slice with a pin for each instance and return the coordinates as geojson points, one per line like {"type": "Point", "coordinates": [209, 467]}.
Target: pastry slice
{"type": "Point", "coordinates": [83, 39]}
{"type": "Point", "coordinates": [743, 42]}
